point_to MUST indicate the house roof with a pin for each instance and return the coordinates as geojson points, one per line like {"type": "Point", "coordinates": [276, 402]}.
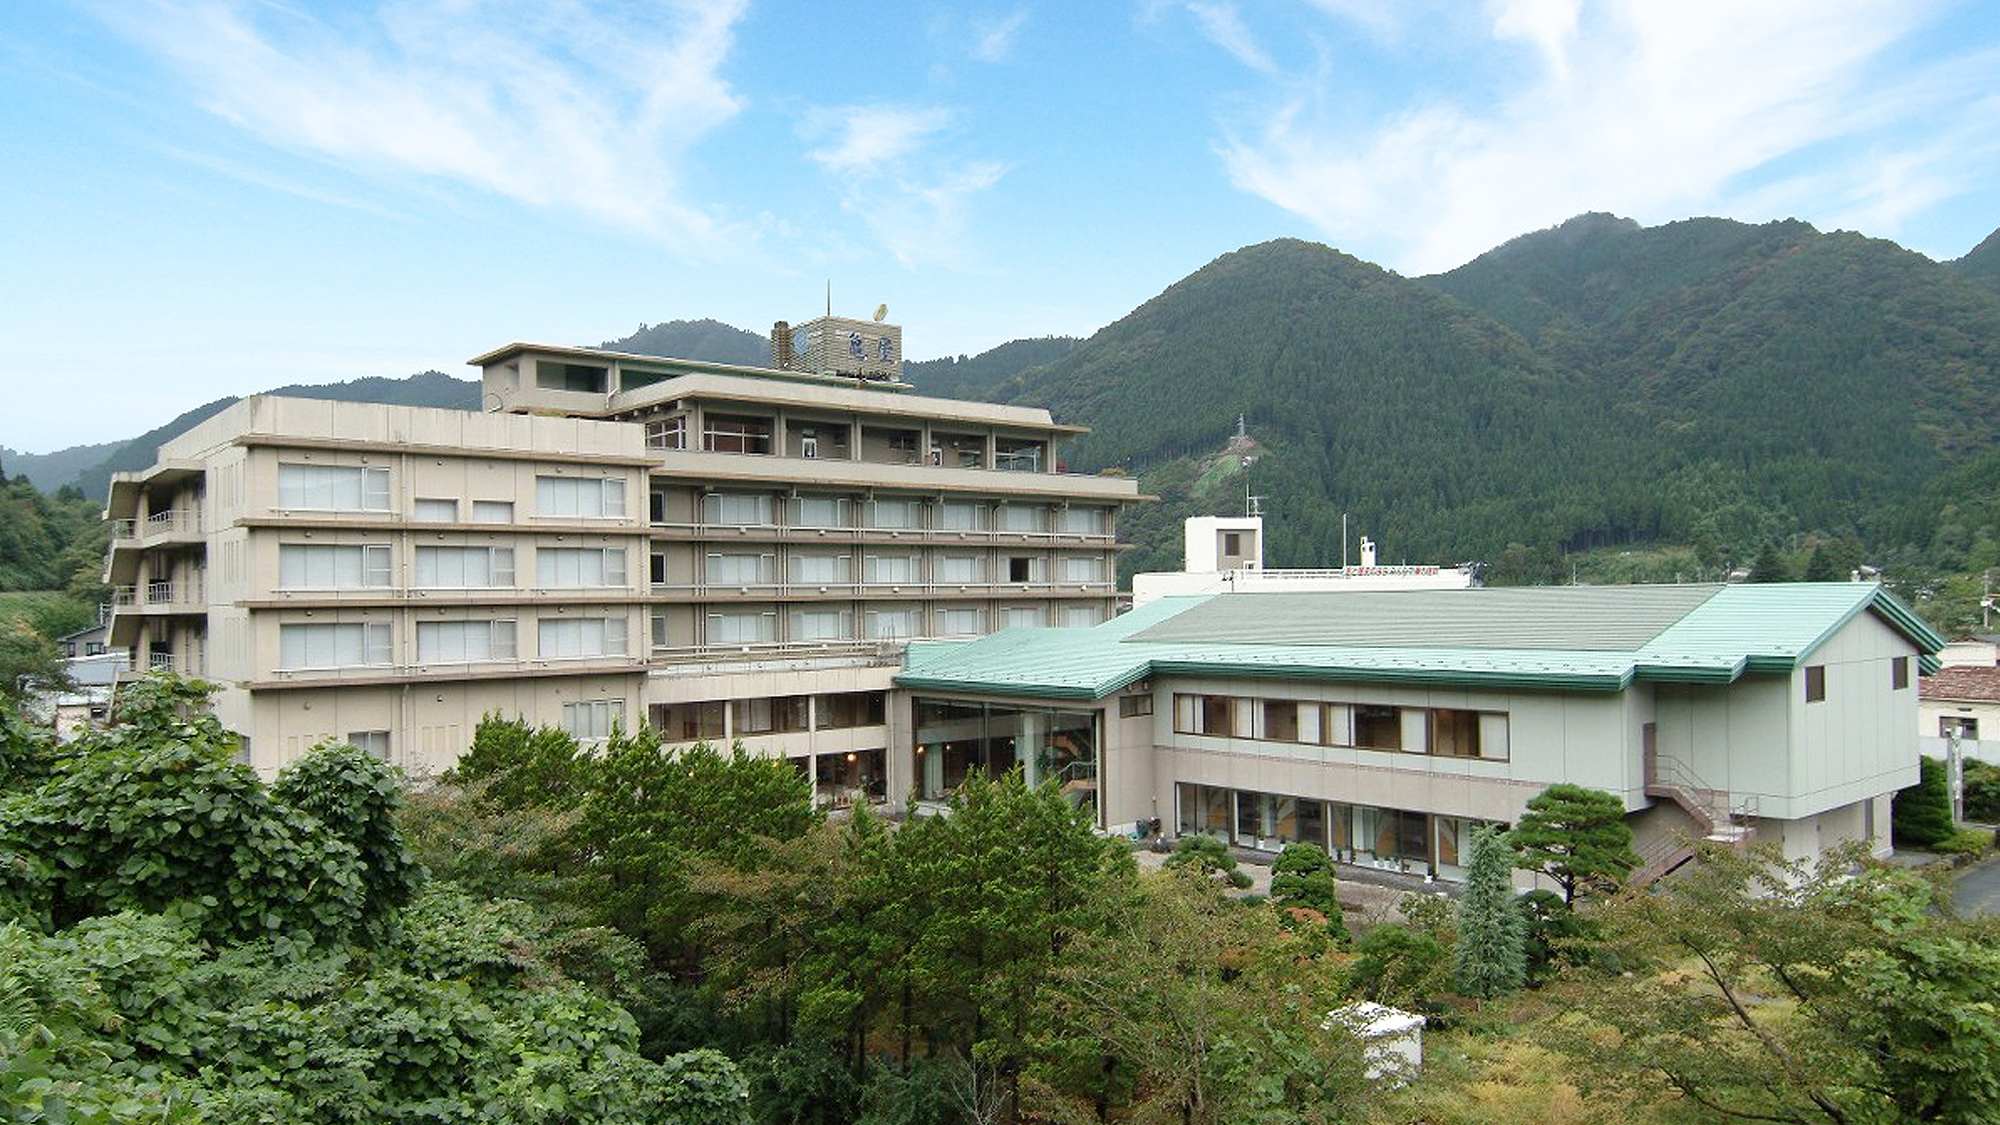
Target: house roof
{"type": "Point", "coordinates": [1971, 682]}
{"type": "Point", "coordinates": [1574, 638]}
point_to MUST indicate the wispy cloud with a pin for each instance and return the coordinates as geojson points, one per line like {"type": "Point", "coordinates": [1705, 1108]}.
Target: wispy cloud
{"type": "Point", "coordinates": [913, 200]}
{"type": "Point", "coordinates": [1648, 109]}
{"type": "Point", "coordinates": [557, 104]}
{"type": "Point", "coordinates": [995, 39]}
{"type": "Point", "coordinates": [1223, 27]}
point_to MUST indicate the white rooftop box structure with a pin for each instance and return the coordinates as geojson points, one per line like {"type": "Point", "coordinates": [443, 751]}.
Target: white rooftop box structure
{"type": "Point", "coordinates": [1226, 554]}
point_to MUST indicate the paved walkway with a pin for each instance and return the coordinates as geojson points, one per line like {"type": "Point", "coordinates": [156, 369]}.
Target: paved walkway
{"type": "Point", "coordinates": [1978, 889]}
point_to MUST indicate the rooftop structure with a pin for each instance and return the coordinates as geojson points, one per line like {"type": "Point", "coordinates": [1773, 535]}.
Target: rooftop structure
{"type": "Point", "coordinates": [1226, 554]}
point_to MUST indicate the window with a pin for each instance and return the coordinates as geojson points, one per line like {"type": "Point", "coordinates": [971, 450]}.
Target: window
{"type": "Point", "coordinates": [890, 624]}
{"type": "Point", "coordinates": [1016, 455]}
{"type": "Point", "coordinates": [1024, 568]}
{"type": "Point", "coordinates": [819, 569]}
{"type": "Point", "coordinates": [465, 568]}
{"type": "Point", "coordinates": [553, 376]}
{"type": "Point", "coordinates": [659, 621]}
{"type": "Point", "coordinates": [374, 743]}
{"type": "Point", "coordinates": [1219, 716]}
{"type": "Point", "coordinates": [889, 569]}
{"type": "Point", "coordinates": [964, 621]}
{"type": "Point", "coordinates": [737, 509]}
{"type": "Point", "coordinates": [957, 515]}
{"type": "Point", "coordinates": [1899, 673]}
{"type": "Point", "coordinates": [1081, 521]}
{"type": "Point", "coordinates": [564, 637]}
{"type": "Point", "coordinates": [1958, 726]}
{"type": "Point", "coordinates": [492, 511]}
{"type": "Point", "coordinates": [820, 511]}
{"type": "Point", "coordinates": [893, 514]}
{"type": "Point", "coordinates": [1021, 518]}
{"type": "Point", "coordinates": [667, 433]}
{"type": "Point", "coordinates": [455, 642]}
{"type": "Point", "coordinates": [1455, 734]}
{"type": "Point", "coordinates": [574, 567]}
{"type": "Point", "coordinates": [332, 645]}
{"type": "Point", "coordinates": [725, 433]}
{"type": "Point", "coordinates": [1281, 720]}
{"type": "Point", "coordinates": [743, 627]}
{"type": "Point", "coordinates": [966, 570]}
{"type": "Point", "coordinates": [333, 488]}
{"type": "Point", "coordinates": [435, 511]}
{"type": "Point", "coordinates": [778, 715]}
{"type": "Point", "coordinates": [593, 720]}
{"type": "Point", "coordinates": [328, 566]}
{"type": "Point", "coordinates": [1133, 706]}
{"type": "Point", "coordinates": [592, 498]}
{"type": "Point", "coordinates": [1022, 617]}
{"type": "Point", "coordinates": [690, 722]}
{"type": "Point", "coordinates": [1815, 683]}
{"type": "Point", "coordinates": [852, 709]}
{"type": "Point", "coordinates": [1378, 728]}
{"type": "Point", "coordinates": [1081, 616]}
{"type": "Point", "coordinates": [822, 625]}
{"type": "Point", "coordinates": [1083, 568]}
{"type": "Point", "coordinates": [741, 568]}
{"type": "Point", "coordinates": [1232, 543]}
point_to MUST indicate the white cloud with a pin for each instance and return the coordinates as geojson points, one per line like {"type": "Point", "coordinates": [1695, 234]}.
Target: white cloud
{"type": "Point", "coordinates": [1651, 110]}
{"type": "Point", "coordinates": [914, 201]}
{"type": "Point", "coordinates": [558, 104]}
{"type": "Point", "coordinates": [996, 39]}
{"type": "Point", "coordinates": [1223, 27]}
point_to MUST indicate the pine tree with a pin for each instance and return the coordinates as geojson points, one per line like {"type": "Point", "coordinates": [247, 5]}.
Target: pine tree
{"type": "Point", "coordinates": [1577, 837]}
{"type": "Point", "coordinates": [1769, 565]}
{"type": "Point", "coordinates": [1820, 566]}
{"type": "Point", "coordinates": [1490, 958]}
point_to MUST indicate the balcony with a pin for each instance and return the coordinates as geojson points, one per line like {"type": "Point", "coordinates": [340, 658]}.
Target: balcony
{"type": "Point", "coordinates": [794, 591]}
{"type": "Point", "coordinates": [1016, 471]}
{"type": "Point", "coordinates": [161, 597]}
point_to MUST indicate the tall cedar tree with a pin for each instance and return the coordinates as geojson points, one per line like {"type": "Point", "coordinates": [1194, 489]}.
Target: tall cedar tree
{"type": "Point", "coordinates": [1490, 958]}
{"type": "Point", "coordinates": [1577, 837]}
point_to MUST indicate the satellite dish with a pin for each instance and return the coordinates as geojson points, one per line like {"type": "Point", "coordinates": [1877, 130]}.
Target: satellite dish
{"type": "Point", "coordinates": [880, 312]}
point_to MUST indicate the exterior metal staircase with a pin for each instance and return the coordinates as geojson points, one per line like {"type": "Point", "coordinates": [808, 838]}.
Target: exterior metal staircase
{"type": "Point", "coordinates": [1716, 820]}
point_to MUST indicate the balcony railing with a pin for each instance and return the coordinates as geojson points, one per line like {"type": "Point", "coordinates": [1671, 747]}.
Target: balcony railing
{"type": "Point", "coordinates": [157, 593]}
{"type": "Point", "coordinates": [186, 520]}
{"type": "Point", "coordinates": [911, 534]}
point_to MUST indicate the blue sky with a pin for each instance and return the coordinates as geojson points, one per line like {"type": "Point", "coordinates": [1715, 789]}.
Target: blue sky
{"type": "Point", "coordinates": [210, 197]}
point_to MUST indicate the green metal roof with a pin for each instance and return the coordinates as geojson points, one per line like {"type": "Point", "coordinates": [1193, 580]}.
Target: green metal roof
{"type": "Point", "coordinates": [1566, 638]}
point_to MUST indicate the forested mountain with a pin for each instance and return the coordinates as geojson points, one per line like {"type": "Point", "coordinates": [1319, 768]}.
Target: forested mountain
{"type": "Point", "coordinates": [1982, 265]}
{"type": "Point", "coordinates": [53, 470]}
{"type": "Point", "coordinates": [711, 340]}
{"type": "Point", "coordinates": [980, 376]}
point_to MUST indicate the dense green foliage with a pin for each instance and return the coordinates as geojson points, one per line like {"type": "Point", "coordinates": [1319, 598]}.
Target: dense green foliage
{"type": "Point", "coordinates": [180, 942]}
{"type": "Point", "coordinates": [1304, 885]}
{"type": "Point", "coordinates": [1981, 265]}
{"type": "Point", "coordinates": [1490, 958]}
{"type": "Point", "coordinates": [1210, 856]}
{"type": "Point", "coordinates": [45, 539]}
{"type": "Point", "coordinates": [711, 340]}
{"type": "Point", "coordinates": [982, 376]}
{"type": "Point", "coordinates": [1920, 816]}
{"type": "Point", "coordinates": [1577, 837]}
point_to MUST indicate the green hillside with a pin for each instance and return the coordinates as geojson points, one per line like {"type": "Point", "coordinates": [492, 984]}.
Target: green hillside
{"type": "Point", "coordinates": [980, 376]}
{"type": "Point", "coordinates": [711, 340]}
{"type": "Point", "coordinates": [1981, 266]}
{"type": "Point", "coordinates": [51, 471]}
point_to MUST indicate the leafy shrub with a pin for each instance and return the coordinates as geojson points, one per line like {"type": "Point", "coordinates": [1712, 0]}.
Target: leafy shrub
{"type": "Point", "coordinates": [1982, 791]}
{"type": "Point", "coordinates": [1208, 854]}
{"type": "Point", "coordinates": [1398, 966]}
{"type": "Point", "coordinates": [356, 797]}
{"type": "Point", "coordinates": [1966, 841]}
{"type": "Point", "coordinates": [1921, 815]}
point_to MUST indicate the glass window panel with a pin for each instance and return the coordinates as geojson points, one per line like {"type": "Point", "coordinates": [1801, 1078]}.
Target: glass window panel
{"type": "Point", "coordinates": [437, 511]}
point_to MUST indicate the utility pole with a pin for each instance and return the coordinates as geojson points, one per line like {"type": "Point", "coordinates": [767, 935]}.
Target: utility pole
{"type": "Point", "coordinates": [1343, 540]}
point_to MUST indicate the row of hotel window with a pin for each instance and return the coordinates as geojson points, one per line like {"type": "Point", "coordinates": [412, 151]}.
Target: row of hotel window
{"type": "Point", "coordinates": [760, 509]}
{"type": "Point", "coordinates": [1446, 732]}
{"type": "Point", "coordinates": [372, 643]}
{"type": "Point", "coordinates": [357, 488]}
{"type": "Point", "coordinates": [836, 623]}
{"type": "Point", "coordinates": [710, 719]}
{"type": "Point", "coordinates": [1365, 835]}
{"type": "Point", "coordinates": [331, 566]}
{"type": "Point", "coordinates": [811, 439]}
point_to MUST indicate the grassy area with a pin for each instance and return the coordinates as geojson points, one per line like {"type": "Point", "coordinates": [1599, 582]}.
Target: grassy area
{"type": "Point", "coordinates": [51, 613]}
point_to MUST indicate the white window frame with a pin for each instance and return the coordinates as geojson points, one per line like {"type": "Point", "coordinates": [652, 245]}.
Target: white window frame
{"type": "Point", "coordinates": [594, 637]}
{"type": "Point", "coordinates": [592, 720]}
{"type": "Point", "coordinates": [738, 509]}
{"type": "Point", "coordinates": [310, 487]}
{"type": "Point", "coordinates": [466, 642]}
{"type": "Point", "coordinates": [298, 562]}
{"type": "Point", "coordinates": [492, 511]}
{"type": "Point", "coordinates": [580, 568]}
{"type": "Point", "coordinates": [425, 509]}
{"type": "Point", "coordinates": [726, 627]}
{"type": "Point", "coordinates": [370, 644]}
{"type": "Point", "coordinates": [580, 498]}
{"type": "Point", "coordinates": [434, 563]}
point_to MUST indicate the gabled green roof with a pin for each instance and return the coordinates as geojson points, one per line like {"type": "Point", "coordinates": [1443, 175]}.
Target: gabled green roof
{"type": "Point", "coordinates": [1564, 638]}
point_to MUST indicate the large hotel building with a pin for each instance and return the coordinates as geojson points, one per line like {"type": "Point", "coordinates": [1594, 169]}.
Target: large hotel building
{"type": "Point", "coordinates": [724, 552]}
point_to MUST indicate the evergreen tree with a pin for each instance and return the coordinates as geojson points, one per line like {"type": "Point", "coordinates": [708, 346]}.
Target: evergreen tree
{"type": "Point", "coordinates": [1577, 837]}
{"type": "Point", "coordinates": [1490, 958]}
{"type": "Point", "coordinates": [1303, 880]}
{"type": "Point", "coordinates": [1820, 566]}
{"type": "Point", "coordinates": [1921, 814]}
{"type": "Point", "coordinates": [1769, 565]}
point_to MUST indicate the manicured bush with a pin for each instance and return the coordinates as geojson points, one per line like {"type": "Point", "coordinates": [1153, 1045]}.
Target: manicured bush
{"type": "Point", "coordinates": [1921, 815]}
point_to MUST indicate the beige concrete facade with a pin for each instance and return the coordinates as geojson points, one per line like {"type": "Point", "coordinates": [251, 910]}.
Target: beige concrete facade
{"type": "Point", "coordinates": [613, 537]}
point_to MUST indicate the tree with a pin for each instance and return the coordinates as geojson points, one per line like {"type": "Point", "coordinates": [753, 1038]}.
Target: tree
{"type": "Point", "coordinates": [1820, 566]}
{"type": "Point", "coordinates": [1577, 837]}
{"type": "Point", "coordinates": [1303, 886]}
{"type": "Point", "coordinates": [1210, 855]}
{"type": "Point", "coordinates": [1756, 989]}
{"type": "Point", "coordinates": [1769, 566]}
{"type": "Point", "coordinates": [1920, 815]}
{"type": "Point", "coordinates": [1489, 959]}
